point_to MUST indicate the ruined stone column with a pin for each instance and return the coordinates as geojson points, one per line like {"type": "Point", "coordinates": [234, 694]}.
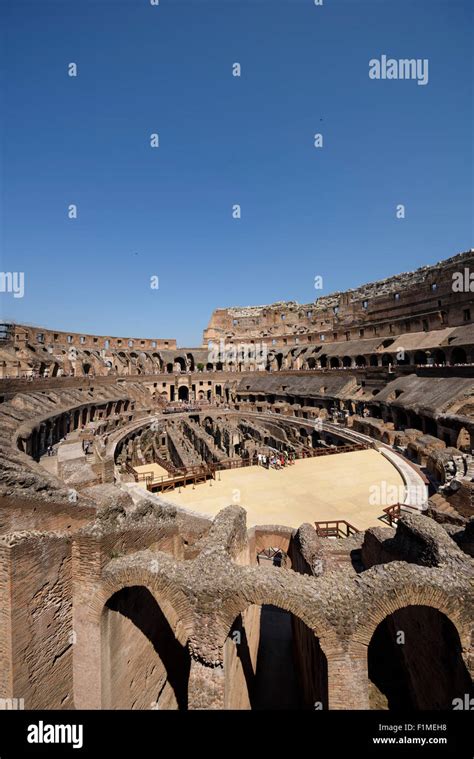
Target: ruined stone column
{"type": "Point", "coordinates": [347, 675]}
{"type": "Point", "coordinates": [87, 654]}
{"type": "Point", "coordinates": [206, 685]}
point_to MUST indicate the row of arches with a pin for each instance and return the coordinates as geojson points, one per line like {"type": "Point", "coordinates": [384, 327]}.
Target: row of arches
{"type": "Point", "coordinates": [132, 363]}
{"type": "Point", "coordinates": [273, 660]}
{"type": "Point", "coordinates": [53, 430]}
{"type": "Point", "coordinates": [419, 358]}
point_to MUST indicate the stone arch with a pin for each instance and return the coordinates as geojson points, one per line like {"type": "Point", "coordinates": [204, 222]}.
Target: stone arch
{"type": "Point", "coordinates": [346, 361]}
{"type": "Point", "coordinates": [374, 360]}
{"type": "Point", "coordinates": [458, 356]}
{"type": "Point", "coordinates": [334, 362]}
{"type": "Point", "coordinates": [262, 594]}
{"type": "Point", "coordinates": [402, 358]}
{"type": "Point", "coordinates": [413, 594]}
{"type": "Point", "coordinates": [420, 357]}
{"type": "Point", "coordinates": [439, 356]}
{"type": "Point", "coordinates": [183, 393]}
{"type": "Point", "coordinates": [88, 609]}
{"type": "Point", "coordinates": [143, 664]}
{"type": "Point", "coordinates": [398, 594]}
{"type": "Point", "coordinates": [415, 661]}
{"type": "Point", "coordinates": [360, 361]}
{"type": "Point", "coordinates": [252, 643]}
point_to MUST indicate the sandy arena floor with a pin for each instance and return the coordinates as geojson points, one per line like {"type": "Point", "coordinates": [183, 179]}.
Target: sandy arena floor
{"type": "Point", "coordinates": [158, 472]}
{"type": "Point", "coordinates": [326, 488]}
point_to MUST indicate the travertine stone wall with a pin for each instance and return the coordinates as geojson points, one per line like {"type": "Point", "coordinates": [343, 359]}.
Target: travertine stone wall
{"type": "Point", "coordinates": [195, 597]}
{"type": "Point", "coordinates": [36, 569]}
{"type": "Point", "coordinates": [423, 300]}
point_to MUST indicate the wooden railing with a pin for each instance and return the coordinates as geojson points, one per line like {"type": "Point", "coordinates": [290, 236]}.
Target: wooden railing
{"type": "Point", "coordinates": [314, 452]}
{"type": "Point", "coordinates": [394, 512]}
{"type": "Point", "coordinates": [336, 529]}
{"type": "Point", "coordinates": [232, 464]}
{"type": "Point", "coordinates": [182, 476]}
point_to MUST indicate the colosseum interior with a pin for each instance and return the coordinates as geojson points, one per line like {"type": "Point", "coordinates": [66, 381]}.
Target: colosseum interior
{"type": "Point", "coordinates": [280, 518]}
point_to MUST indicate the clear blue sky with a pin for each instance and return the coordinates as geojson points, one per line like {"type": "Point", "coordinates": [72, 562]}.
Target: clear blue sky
{"type": "Point", "coordinates": [225, 140]}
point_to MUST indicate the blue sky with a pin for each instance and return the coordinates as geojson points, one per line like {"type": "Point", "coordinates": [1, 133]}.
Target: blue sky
{"type": "Point", "coordinates": [225, 140]}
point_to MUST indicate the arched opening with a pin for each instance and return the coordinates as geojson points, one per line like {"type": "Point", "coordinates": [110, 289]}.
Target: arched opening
{"type": "Point", "coordinates": [311, 362]}
{"type": "Point", "coordinates": [420, 358]}
{"type": "Point", "coordinates": [402, 358]}
{"type": "Point", "coordinates": [346, 361]}
{"type": "Point", "coordinates": [190, 359]}
{"type": "Point", "coordinates": [272, 660]}
{"type": "Point", "coordinates": [86, 368]}
{"type": "Point", "coordinates": [180, 363]}
{"type": "Point", "coordinates": [279, 360]}
{"type": "Point", "coordinates": [386, 359]}
{"type": "Point", "coordinates": [439, 357]}
{"type": "Point", "coordinates": [323, 361]}
{"type": "Point", "coordinates": [458, 356]}
{"type": "Point", "coordinates": [334, 363]}
{"type": "Point", "coordinates": [400, 418]}
{"type": "Point", "coordinates": [143, 664]}
{"type": "Point", "coordinates": [415, 662]}
{"type": "Point", "coordinates": [209, 367]}
{"type": "Point", "coordinates": [183, 393]}
{"type": "Point", "coordinates": [431, 426]}
{"type": "Point", "coordinates": [169, 368]}
{"type": "Point", "coordinates": [360, 361]}
{"type": "Point", "coordinates": [374, 360]}
{"type": "Point", "coordinates": [414, 420]}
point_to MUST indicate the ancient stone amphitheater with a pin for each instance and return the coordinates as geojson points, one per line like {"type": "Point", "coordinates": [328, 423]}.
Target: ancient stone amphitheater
{"type": "Point", "coordinates": [133, 573]}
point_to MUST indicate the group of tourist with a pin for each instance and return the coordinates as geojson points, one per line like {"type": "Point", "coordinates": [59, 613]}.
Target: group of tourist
{"type": "Point", "coordinates": [276, 460]}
